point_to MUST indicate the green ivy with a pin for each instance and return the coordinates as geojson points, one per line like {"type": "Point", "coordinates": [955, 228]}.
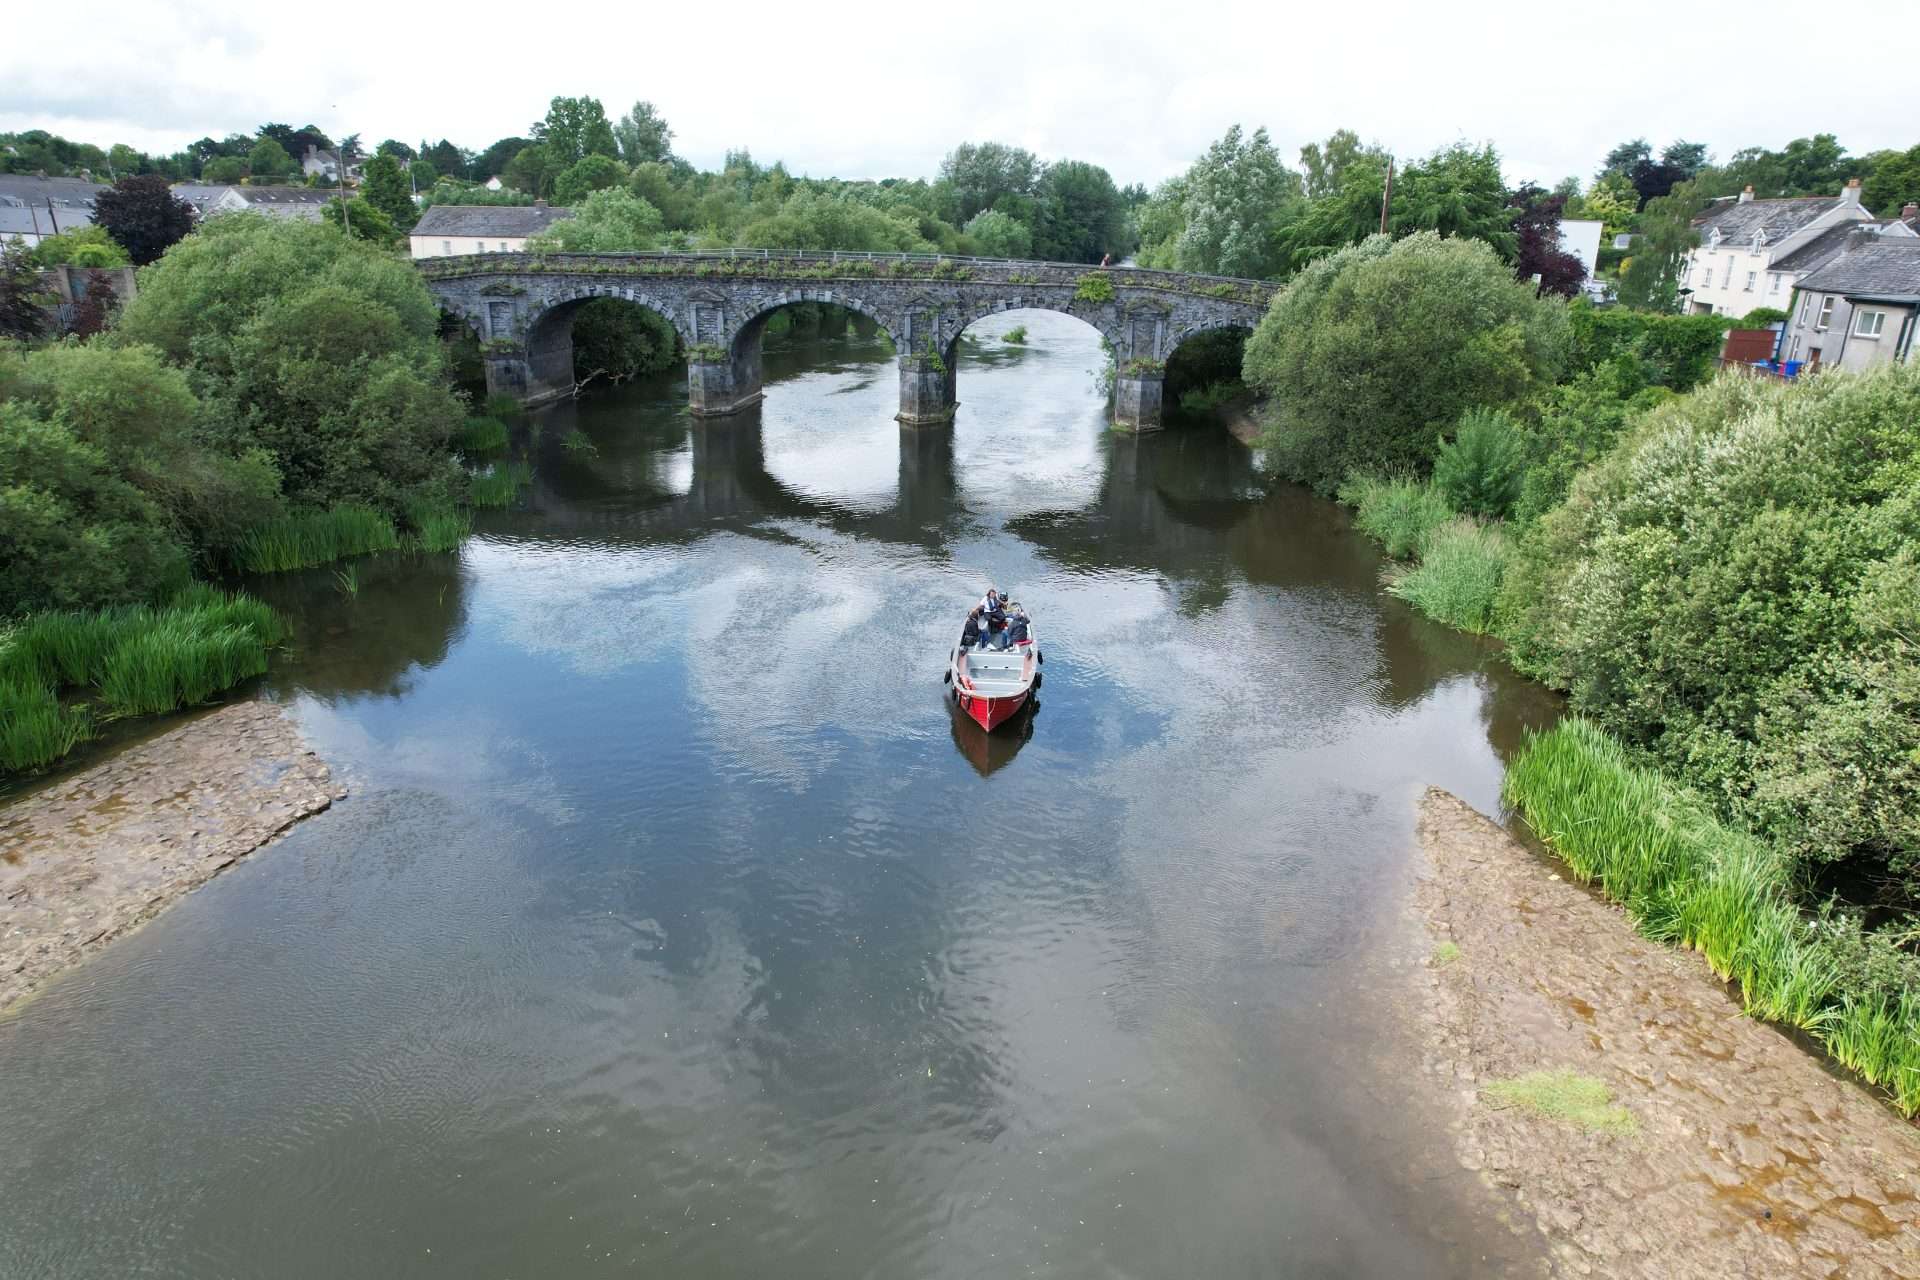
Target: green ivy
{"type": "Point", "coordinates": [1095, 286]}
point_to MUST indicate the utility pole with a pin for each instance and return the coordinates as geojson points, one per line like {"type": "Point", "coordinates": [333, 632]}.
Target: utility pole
{"type": "Point", "coordinates": [340, 176]}
{"type": "Point", "coordinates": [1386, 197]}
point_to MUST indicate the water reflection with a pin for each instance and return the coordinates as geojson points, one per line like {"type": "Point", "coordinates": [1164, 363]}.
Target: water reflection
{"type": "Point", "coordinates": [988, 753]}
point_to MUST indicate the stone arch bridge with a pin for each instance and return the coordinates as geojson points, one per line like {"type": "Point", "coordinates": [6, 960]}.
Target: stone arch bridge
{"type": "Point", "coordinates": [521, 305]}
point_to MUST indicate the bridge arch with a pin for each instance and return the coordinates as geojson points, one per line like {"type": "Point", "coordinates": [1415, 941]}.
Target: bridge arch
{"type": "Point", "coordinates": [548, 340]}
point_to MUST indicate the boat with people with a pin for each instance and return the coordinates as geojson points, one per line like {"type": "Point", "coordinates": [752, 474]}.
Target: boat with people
{"type": "Point", "coordinates": [995, 665]}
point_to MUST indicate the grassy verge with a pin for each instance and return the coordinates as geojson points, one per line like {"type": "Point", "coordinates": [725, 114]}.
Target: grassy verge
{"type": "Point", "coordinates": [496, 486]}
{"type": "Point", "coordinates": [1398, 514]}
{"type": "Point", "coordinates": [1687, 879]}
{"type": "Point", "coordinates": [134, 660]}
{"type": "Point", "coordinates": [1563, 1095]}
{"type": "Point", "coordinates": [481, 434]}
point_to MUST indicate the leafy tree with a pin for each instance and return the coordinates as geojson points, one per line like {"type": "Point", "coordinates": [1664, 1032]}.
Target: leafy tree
{"type": "Point", "coordinates": [1232, 199]}
{"type": "Point", "coordinates": [144, 215]}
{"type": "Point", "coordinates": [534, 170]}
{"type": "Point", "coordinates": [224, 170]}
{"type": "Point", "coordinates": [349, 150]}
{"type": "Point", "coordinates": [1457, 191]}
{"type": "Point", "coordinates": [124, 160]}
{"type": "Point", "coordinates": [21, 298]}
{"type": "Point", "coordinates": [88, 246]}
{"type": "Point", "coordinates": [653, 181]}
{"type": "Point", "coordinates": [616, 340]}
{"type": "Point", "coordinates": [384, 186]}
{"type": "Point", "coordinates": [395, 149]}
{"type": "Point", "coordinates": [1817, 165]}
{"type": "Point", "coordinates": [999, 235]}
{"type": "Point", "coordinates": [1325, 163]}
{"type": "Point", "coordinates": [1332, 222]}
{"type": "Point", "coordinates": [494, 160]}
{"type": "Point", "coordinates": [446, 159]}
{"type": "Point", "coordinates": [1536, 226]}
{"type": "Point", "coordinates": [1479, 470]}
{"type": "Point", "coordinates": [1892, 181]}
{"type": "Point", "coordinates": [575, 128]}
{"type": "Point", "coordinates": [1650, 178]}
{"type": "Point", "coordinates": [607, 221]}
{"type": "Point", "coordinates": [980, 173]}
{"type": "Point", "coordinates": [1081, 215]}
{"type": "Point", "coordinates": [1373, 352]}
{"type": "Point", "coordinates": [819, 220]}
{"type": "Point", "coordinates": [1651, 277]}
{"type": "Point", "coordinates": [269, 161]}
{"type": "Point", "coordinates": [587, 175]}
{"type": "Point", "coordinates": [320, 350]}
{"type": "Point", "coordinates": [363, 220]}
{"type": "Point", "coordinates": [644, 136]}
{"type": "Point", "coordinates": [1614, 202]}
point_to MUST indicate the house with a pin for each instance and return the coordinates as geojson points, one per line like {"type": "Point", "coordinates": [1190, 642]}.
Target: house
{"type": "Point", "coordinates": [448, 229]}
{"type": "Point", "coordinates": [1860, 309]}
{"type": "Point", "coordinates": [1580, 237]}
{"type": "Point", "coordinates": [323, 163]}
{"type": "Point", "coordinates": [305, 203]}
{"type": "Point", "coordinates": [33, 208]}
{"type": "Point", "coordinates": [1738, 264]}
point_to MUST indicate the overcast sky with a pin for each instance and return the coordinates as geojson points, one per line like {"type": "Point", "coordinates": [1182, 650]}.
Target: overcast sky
{"type": "Point", "coordinates": [877, 90]}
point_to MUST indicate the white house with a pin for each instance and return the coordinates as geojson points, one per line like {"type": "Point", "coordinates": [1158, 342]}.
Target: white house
{"type": "Point", "coordinates": [33, 208]}
{"type": "Point", "coordinates": [449, 229]}
{"type": "Point", "coordinates": [324, 163]}
{"type": "Point", "coordinates": [1742, 261]}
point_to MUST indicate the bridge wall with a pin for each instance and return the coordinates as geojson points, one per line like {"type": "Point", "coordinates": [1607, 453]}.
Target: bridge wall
{"type": "Point", "coordinates": [521, 306]}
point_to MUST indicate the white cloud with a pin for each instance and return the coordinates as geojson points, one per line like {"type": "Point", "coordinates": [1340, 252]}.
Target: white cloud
{"type": "Point", "coordinates": [869, 90]}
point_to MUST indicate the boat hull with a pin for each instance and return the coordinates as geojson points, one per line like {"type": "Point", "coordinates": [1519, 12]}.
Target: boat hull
{"type": "Point", "coordinates": [991, 713]}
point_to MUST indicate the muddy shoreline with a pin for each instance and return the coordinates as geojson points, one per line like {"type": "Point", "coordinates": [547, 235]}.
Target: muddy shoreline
{"type": "Point", "coordinates": [1750, 1157]}
{"type": "Point", "coordinates": [94, 856]}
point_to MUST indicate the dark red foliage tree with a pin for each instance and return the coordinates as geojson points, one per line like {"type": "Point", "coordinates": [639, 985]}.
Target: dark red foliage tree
{"type": "Point", "coordinates": [1536, 224]}
{"type": "Point", "coordinates": [21, 315]}
{"type": "Point", "coordinates": [144, 215]}
{"type": "Point", "coordinates": [92, 310]}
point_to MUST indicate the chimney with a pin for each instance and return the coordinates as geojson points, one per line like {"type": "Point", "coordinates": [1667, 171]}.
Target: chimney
{"type": "Point", "coordinates": [1850, 194]}
{"type": "Point", "coordinates": [1746, 196]}
{"type": "Point", "coordinates": [1909, 211]}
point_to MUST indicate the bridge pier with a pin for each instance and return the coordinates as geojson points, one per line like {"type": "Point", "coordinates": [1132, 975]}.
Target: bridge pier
{"type": "Point", "coordinates": [1136, 400]}
{"type": "Point", "coordinates": [927, 389]}
{"type": "Point", "coordinates": [720, 383]}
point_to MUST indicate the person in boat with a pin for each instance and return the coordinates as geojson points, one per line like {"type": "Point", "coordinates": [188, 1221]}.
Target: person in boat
{"type": "Point", "coordinates": [993, 621]}
{"type": "Point", "coordinates": [970, 634]}
{"type": "Point", "coordinates": [1017, 623]}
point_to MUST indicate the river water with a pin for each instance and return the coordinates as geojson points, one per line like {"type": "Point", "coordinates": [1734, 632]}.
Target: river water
{"type": "Point", "coordinates": [677, 926]}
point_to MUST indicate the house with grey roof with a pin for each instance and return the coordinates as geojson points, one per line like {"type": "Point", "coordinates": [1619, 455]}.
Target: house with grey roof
{"type": "Point", "coordinates": [321, 163]}
{"type": "Point", "coordinates": [1735, 268]}
{"type": "Point", "coordinates": [33, 208]}
{"type": "Point", "coordinates": [449, 229]}
{"type": "Point", "coordinates": [304, 203]}
{"type": "Point", "coordinates": [1860, 308]}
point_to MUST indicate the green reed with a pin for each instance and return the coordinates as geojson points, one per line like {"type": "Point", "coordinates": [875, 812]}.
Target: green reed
{"type": "Point", "coordinates": [481, 434]}
{"type": "Point", "coordinates": [302, 539]}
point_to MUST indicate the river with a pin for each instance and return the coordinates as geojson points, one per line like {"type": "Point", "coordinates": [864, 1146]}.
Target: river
{"type": "Point", "coordinates": [676, 925]}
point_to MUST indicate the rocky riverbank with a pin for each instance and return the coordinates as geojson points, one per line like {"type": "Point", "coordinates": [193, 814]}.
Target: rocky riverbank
{"type": "Point", "coordinates": [1746, 1156]}
{"type": "Point", "coordinates": [98, 854]}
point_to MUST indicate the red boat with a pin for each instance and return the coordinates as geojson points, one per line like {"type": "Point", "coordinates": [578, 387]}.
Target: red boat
{"type": "Point", "coordinates": [990, 685]}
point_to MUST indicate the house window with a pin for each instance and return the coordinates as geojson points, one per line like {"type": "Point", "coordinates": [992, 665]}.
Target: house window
{"type": "Point", "coordinates": [1806, 301]}
{"type": "Point", "coordinates": [446, 248]}
{"type": "Point", "coordinates": [1867, 324]}
{"type": "Point", "coordinates": [1826, 312]}
{"type": "Point", "coordinates": [1793, 352]}
{"type": "Point", "coordinates": [1752, 278]}
{"type": "Point", "coordinates": [1726, 281]}
{"type": "Point", "coordinates": [479, 246]}
{"type": "Point", "coordinates": [1773, 282]}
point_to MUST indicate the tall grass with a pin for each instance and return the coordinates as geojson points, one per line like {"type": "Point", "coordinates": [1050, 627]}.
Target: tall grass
{"type": "Point", "coordinates": [1458, 577]}
{"type": "Point", "coordinates": [305, 538]}
{"type": "Point", "coordinates": [496, 487]}
{"type": "Point", "coordinates": [499, 405]}
{"type": "Point", "coordinates": [1017, 335]}
{"type": "Point", "coordinates": [138, 659]}
{"type": "Point", "coordinates": [1399, 514]}
{"type": "Point", "coordinates": [439, 528]}
{"type": "Point", "coordinates": [1687, 879]}
{"type": "Point", "coordinates": [481, 434]}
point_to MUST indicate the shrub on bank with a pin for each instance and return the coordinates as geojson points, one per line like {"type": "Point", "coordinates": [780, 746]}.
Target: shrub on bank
{"type": "Point", "coordinates": [1685, 878]}
{"type": "Point", "coordinates": [1735, 589]}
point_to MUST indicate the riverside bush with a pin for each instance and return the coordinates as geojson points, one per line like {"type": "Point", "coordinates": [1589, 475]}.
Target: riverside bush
{"type": "Point", "coordinates": [1458, 578]}
{"type": "Point", "coordinates": [302, 539]}
{"type": "Point", "coordinates": [1690, 880]}
{"type": "Point", "coordinates": [1373, 351]}
{"type": "Point", "coordinates": [1735, 589]}
{"type": "Point", "coordinates": [481, 434]}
